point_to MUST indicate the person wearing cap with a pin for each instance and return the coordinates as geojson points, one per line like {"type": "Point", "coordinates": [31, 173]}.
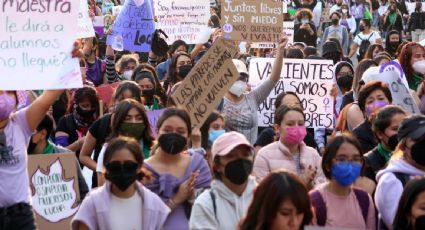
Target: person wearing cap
{"type": "Point", "coordinates": [336, 30]}
{"type": "Point", "coordinates": [408, 161]}
{"type": "Point", "coordinates": [240, 108]}
{"type": "Point", "coordinates": [226, 203]}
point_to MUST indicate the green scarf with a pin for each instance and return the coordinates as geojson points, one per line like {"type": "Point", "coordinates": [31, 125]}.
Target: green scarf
{"type": "Point", "coordinates": [384, 153]}
{"type": "Point", "coordinates": [50, 148]}
{"type": "Point", "coordinates": [392, 17]}
{"type": "Point", "coordinates": [415, 81]}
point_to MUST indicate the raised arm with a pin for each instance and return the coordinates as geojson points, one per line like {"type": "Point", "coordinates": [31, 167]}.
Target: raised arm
{"type": "Point", "coordinates": [38, 109]}
{"type": "Point", "coordinates": [278, 61]}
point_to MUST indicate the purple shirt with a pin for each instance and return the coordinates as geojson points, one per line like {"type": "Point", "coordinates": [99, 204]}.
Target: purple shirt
{"type": "Point", "coordinates": [14, 181]}
{"type": "Point", "coordinates": [166, 186]}
{"type": "Point", "coordinates": [95, 72]}
{"type": "Point", "coordinates": [94, 212]}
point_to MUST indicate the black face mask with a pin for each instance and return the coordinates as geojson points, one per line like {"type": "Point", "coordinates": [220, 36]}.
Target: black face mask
{"type": "Point", "coordinates": [85, 113]}
{"type": "Point", "coordinates": [392, 142]}
{"type": "Point", "coordinates": [345, 82]}
{"type": "Point", "coordinates": [148, 93]}
{"type": "Point", "coordinates": [121, 175]}
{"type": "Point", "coordinates": [420, 222]}
{"type": "Point", "coordinates": [172, 143]}
{"type": "Point", "coordinates": [31, 146]}
{"type": "Point", "coordinates": [417, 152]}
{"type": "Point", "coordinates": [335, 21]}
{"type": "Point", "coordinates": [394, 45]}
{"type": "Point", "coordinates": [361, 28]}
{"type": "Point", "coordinates": [238, 171]}
{"type": "Point", "coordinates": [184, 70]}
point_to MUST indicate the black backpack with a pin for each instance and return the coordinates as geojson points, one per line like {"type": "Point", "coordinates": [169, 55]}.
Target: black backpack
{"type": "Point", "coordinates": [364, 45]}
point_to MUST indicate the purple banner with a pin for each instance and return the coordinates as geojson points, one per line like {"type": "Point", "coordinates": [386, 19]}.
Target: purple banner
{"type": "Point", "coordinates": [134, 27]}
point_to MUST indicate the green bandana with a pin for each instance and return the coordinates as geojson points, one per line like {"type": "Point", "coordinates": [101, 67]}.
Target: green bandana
{"type": "Point", "coordinates": [415, 81]}
{"type": "Point", "coordinates": [384, 153]}
{"type": "Point", "coordinates": [392, 17]}
{"type": "Point", "coordinates": [49, 148]}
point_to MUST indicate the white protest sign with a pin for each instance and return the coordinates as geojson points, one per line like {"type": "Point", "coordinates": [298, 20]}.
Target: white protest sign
{"type": "Point", "coordinates": [36, 40]}
{"type": "Point", "coordinates": [85, 25]}
{"type": "Point", "coordinates": [311, 80]}
{"type": "Point", "coordinates": [182, 20]}
{"type": "Point", "coordinates": [399, 92]}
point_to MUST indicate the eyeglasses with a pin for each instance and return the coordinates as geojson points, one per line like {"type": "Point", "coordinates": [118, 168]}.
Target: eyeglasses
{"type": "Point", "coordinates": [356, 159]}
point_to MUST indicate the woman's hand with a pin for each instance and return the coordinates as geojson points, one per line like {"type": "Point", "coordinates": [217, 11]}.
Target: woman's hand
{"type": "Point", "coordinates": [308, 174]}
{"type": "Point", "coordinates": [186, 189]}
{"type": "Point", "coordinates": [195, 138]}
{"type": "Point", "coordinates": [283, 40]}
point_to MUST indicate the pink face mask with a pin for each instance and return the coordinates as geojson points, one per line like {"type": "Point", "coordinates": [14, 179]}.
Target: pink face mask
{"type": "Point", "coordinates": [7, 105]}
{"type": "Point", "coordinates": [375, 106]}
{"type": "Point", "coordinates": [295, 135]}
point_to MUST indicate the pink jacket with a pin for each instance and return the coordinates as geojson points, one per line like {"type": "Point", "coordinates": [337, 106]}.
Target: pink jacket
{"type": "Point", "coordinates": [95, 209]}
{"type": "Point", "coordinates": [277, 156]}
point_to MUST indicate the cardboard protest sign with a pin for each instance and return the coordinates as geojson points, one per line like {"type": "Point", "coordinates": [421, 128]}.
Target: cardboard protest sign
{"type": "Point", "coordinates": [288, 28]}
{"type": "Point", "coordinates": [133, 29]}
{"type": "Point", "coordinates": [153, 119]}
{"type": "Point", "coordinates": [105, 92]}
{"type": "Point", "coordinates": [182, 20]}
{"type": "Point", "coordinates": [399, 92]}
{"type": "Point", "coordinates": [54, 189]}
{"type": "Point", "coordinates": [311, 80]}
{"type": "Point", "coordinates": [36, 40]}
{"type": "Point", "coordinates": [252, 20]}
{"type": "Point", "coordinates": [85, 25]}
{"type": "Point", "coordinates": [208, 81]}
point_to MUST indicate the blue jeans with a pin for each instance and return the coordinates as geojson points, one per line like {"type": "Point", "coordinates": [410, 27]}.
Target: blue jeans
{"type": "Point", "coordinates": [17, 217]}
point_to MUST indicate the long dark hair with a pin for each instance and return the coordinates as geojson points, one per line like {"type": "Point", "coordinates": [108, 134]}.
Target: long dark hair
{"type": "Point", "coordinates": [131, 86]}
{"type": "Point", "coordinates": [411, 191]}
{"type": "Point", "coordinates": [120, 114]}
{"type": "Point", "coordinates": [276, 188]}
{"type": "Point", "coordinates": [159, 91]}
{"type": "Point", "coordinates": [171, 77]}
{"type": "Point", "coordinates": [171, 112]}
{"type": "Point", "coordinates": [206, 126]}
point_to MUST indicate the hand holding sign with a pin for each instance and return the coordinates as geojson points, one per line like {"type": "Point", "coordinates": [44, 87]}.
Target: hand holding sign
{"type": "Point", "coordinates": [283, 40]}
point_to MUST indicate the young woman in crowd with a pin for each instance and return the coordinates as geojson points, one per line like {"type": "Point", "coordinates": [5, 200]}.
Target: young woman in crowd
{"type": "Point", "coordinates": [240, 108]}
{"type": "Point", "coordinates": [385, 126]}
{"type": "Point", "coordinates": [130, 120]}
{"type": "Point", "coordinates": [176, 47]}
{"type": "Point", "coordinates": [373, 51]}
{"type": "Point", "coordinates": [226, 203]}
{"type": "Point", "coordinates": [121, 69]}
{"type": "Point", "coordinates": [178, 175]}
{"type": "Point", "coordinates": [280, 201]}
{"type": "Point", "coordinates": [412, 59]}
{"type": "Point", "coordinates": [180, 66]}
{"type": "Point", "coordinates": [336, 203]}
{"type": "Point", "coordinates": [123, 202]}
{"type": "Point", "coordinates": [392, 42]}
{"type": "Point", "coordinates": [153, 94]}
{"type": "Point", "coordinates": [96, 67]}
{"type": "Point", "coordinates": [100, 129]}
{"type": "Point", "coordinates": [73, 127]}
{"type": "Point", "coordinates": [372, 97]}
{"type": "Point", "coordinates": [304, 28]}
{"type": "Point", "coordinates": [290, 152]}
{"type": "Point", "coordinates": [212, 128]}
{"type": "Point", "coordinates": [406, 162]}
{"type": "Point", "coordinates": [410, 213]}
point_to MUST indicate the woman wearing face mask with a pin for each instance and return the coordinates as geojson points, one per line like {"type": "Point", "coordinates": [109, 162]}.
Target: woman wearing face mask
{"type": "Point", "coordinates": [73, 127]}
{"type": "Point", "coordinates": [154, 96]}
{"type": "Point", "coordinates": [96, 68]}
{"type": "Point", "coordinates": [123, 68]}
{"type": "Point", "coordinates": [344, 75]}
{"type": "Point", "coordinates": [408, 161]}
{"type": "Point", "coordinates": [223, 206]}
{"type": "Point", "coordinates": [290, 152]}
{"type": "Point", "coordinates": [392, 42]}
{"type": "Point", "coordinates": [393, 20]}
{"type": "Point", "coordinates": [304, 29]}
{"type": "Point", "coordinates": [280, 202]}
{"type": "Point", "coordinates": [240, 108]}
{"type": "Point", "coordinates": [385, 126]}
{"type": "Point", "coordinates": [348, 21]}
{"type": "Point", "coordinates": [180, 66]}
{"type": "Point", "coordinates": [336, 203]}
{"type": "Point", "coordinates": [212, 128]}
{"type": "Point", "coordinates": [416, 24]}
{"type": "Point", "coordinates": [336, 30]}
{"type": "Point", "coordinates": [100, 129]}
{"type": "Point", "coordinates": [373, 96]}
{"type": "Point", "coordinates": [410, 213]}
{"type": "Point", "coordinates": [128, 120]}
{"type": "Point", "coordinates": [123, 202]}
{"type": "Point", "coordinates": [179, 175]}
{"type": "Point", "coordinates": [366, 34]}
{"type": "Point", "coordinates": [16, 128]}
{"type": "Point", "coordinates": [373, 51]}
{"type": "Point", "coordinates": [412, 59]}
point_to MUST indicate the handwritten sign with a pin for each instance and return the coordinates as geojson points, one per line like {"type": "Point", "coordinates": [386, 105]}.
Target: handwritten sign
{"type": "Point", "coordinates": [135, 26]}
{"type": "Point", "coordinates": [153, 119]}
{"type": "Point", "coordinates": [36, 40]}
{"type": "Point", "coordinates": [182, 20]}
{"type": "Point", "coordinates": [54, 189]}
{"type": "Point", "coordinates": [311, 80]}
{"type": "Point", "coordinates": [252, 20]}
{"type": "Point", "coordinates": [208, 81]}
{"type": "Point", "coordinates": [399, 92]}
{"type": "Point", "coordinates": [288, 28]}
{"type": "Point", "coordinates": [85, 25]}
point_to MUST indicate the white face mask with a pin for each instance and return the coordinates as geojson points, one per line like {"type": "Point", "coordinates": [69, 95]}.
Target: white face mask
{"type": "Point", "coordinates": [419, 67]}
{"type": "Point", "coordinates": [238, 88]}
{"type": "Point", "coordinates": [305, 21]}
{"type": "Point", "coordinates": [344, 11]}
{"type": "Point", "coordinates": [127, 74]}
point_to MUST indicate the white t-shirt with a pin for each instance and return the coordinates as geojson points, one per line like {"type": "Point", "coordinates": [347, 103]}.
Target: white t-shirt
{"type": "Point", "coordinates": [99, 165]}
{"type": "Point", "coordinates": [126, 214]}
{"type": "Point", "coordinates": [361, 36]}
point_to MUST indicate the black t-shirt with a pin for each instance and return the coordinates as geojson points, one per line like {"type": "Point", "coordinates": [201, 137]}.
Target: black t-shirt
{"type": "Point", "coordinates": [67, 125]}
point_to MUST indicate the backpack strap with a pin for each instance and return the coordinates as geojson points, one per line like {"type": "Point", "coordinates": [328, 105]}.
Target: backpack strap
{"type": "Point", "coordinates": [319, 207]}
{"type": "Point", "coordinates": [214, 203]}
{"type": "Point", "coordinates": [370, 36]}
{"type": "Point", "coordinates": [402, 177]}
{"type": "Point", "coordinates": [363, 199]}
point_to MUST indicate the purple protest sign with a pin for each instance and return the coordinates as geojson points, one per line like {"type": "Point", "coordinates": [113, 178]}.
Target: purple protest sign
{"type": "Point", "coordinates": [153, 119]}
{"type": "Point", "coordinates": [135, 26]}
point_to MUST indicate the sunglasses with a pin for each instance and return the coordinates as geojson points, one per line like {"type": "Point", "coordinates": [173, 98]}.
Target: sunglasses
{"type": "Point", "coordinates": [118, 166]}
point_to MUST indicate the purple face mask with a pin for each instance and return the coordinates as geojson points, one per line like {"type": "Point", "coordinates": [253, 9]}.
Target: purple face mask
{"type": "Point", "coordinates": [7, 105]}
{"type": "Point", "coordinates": [375, 106]}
